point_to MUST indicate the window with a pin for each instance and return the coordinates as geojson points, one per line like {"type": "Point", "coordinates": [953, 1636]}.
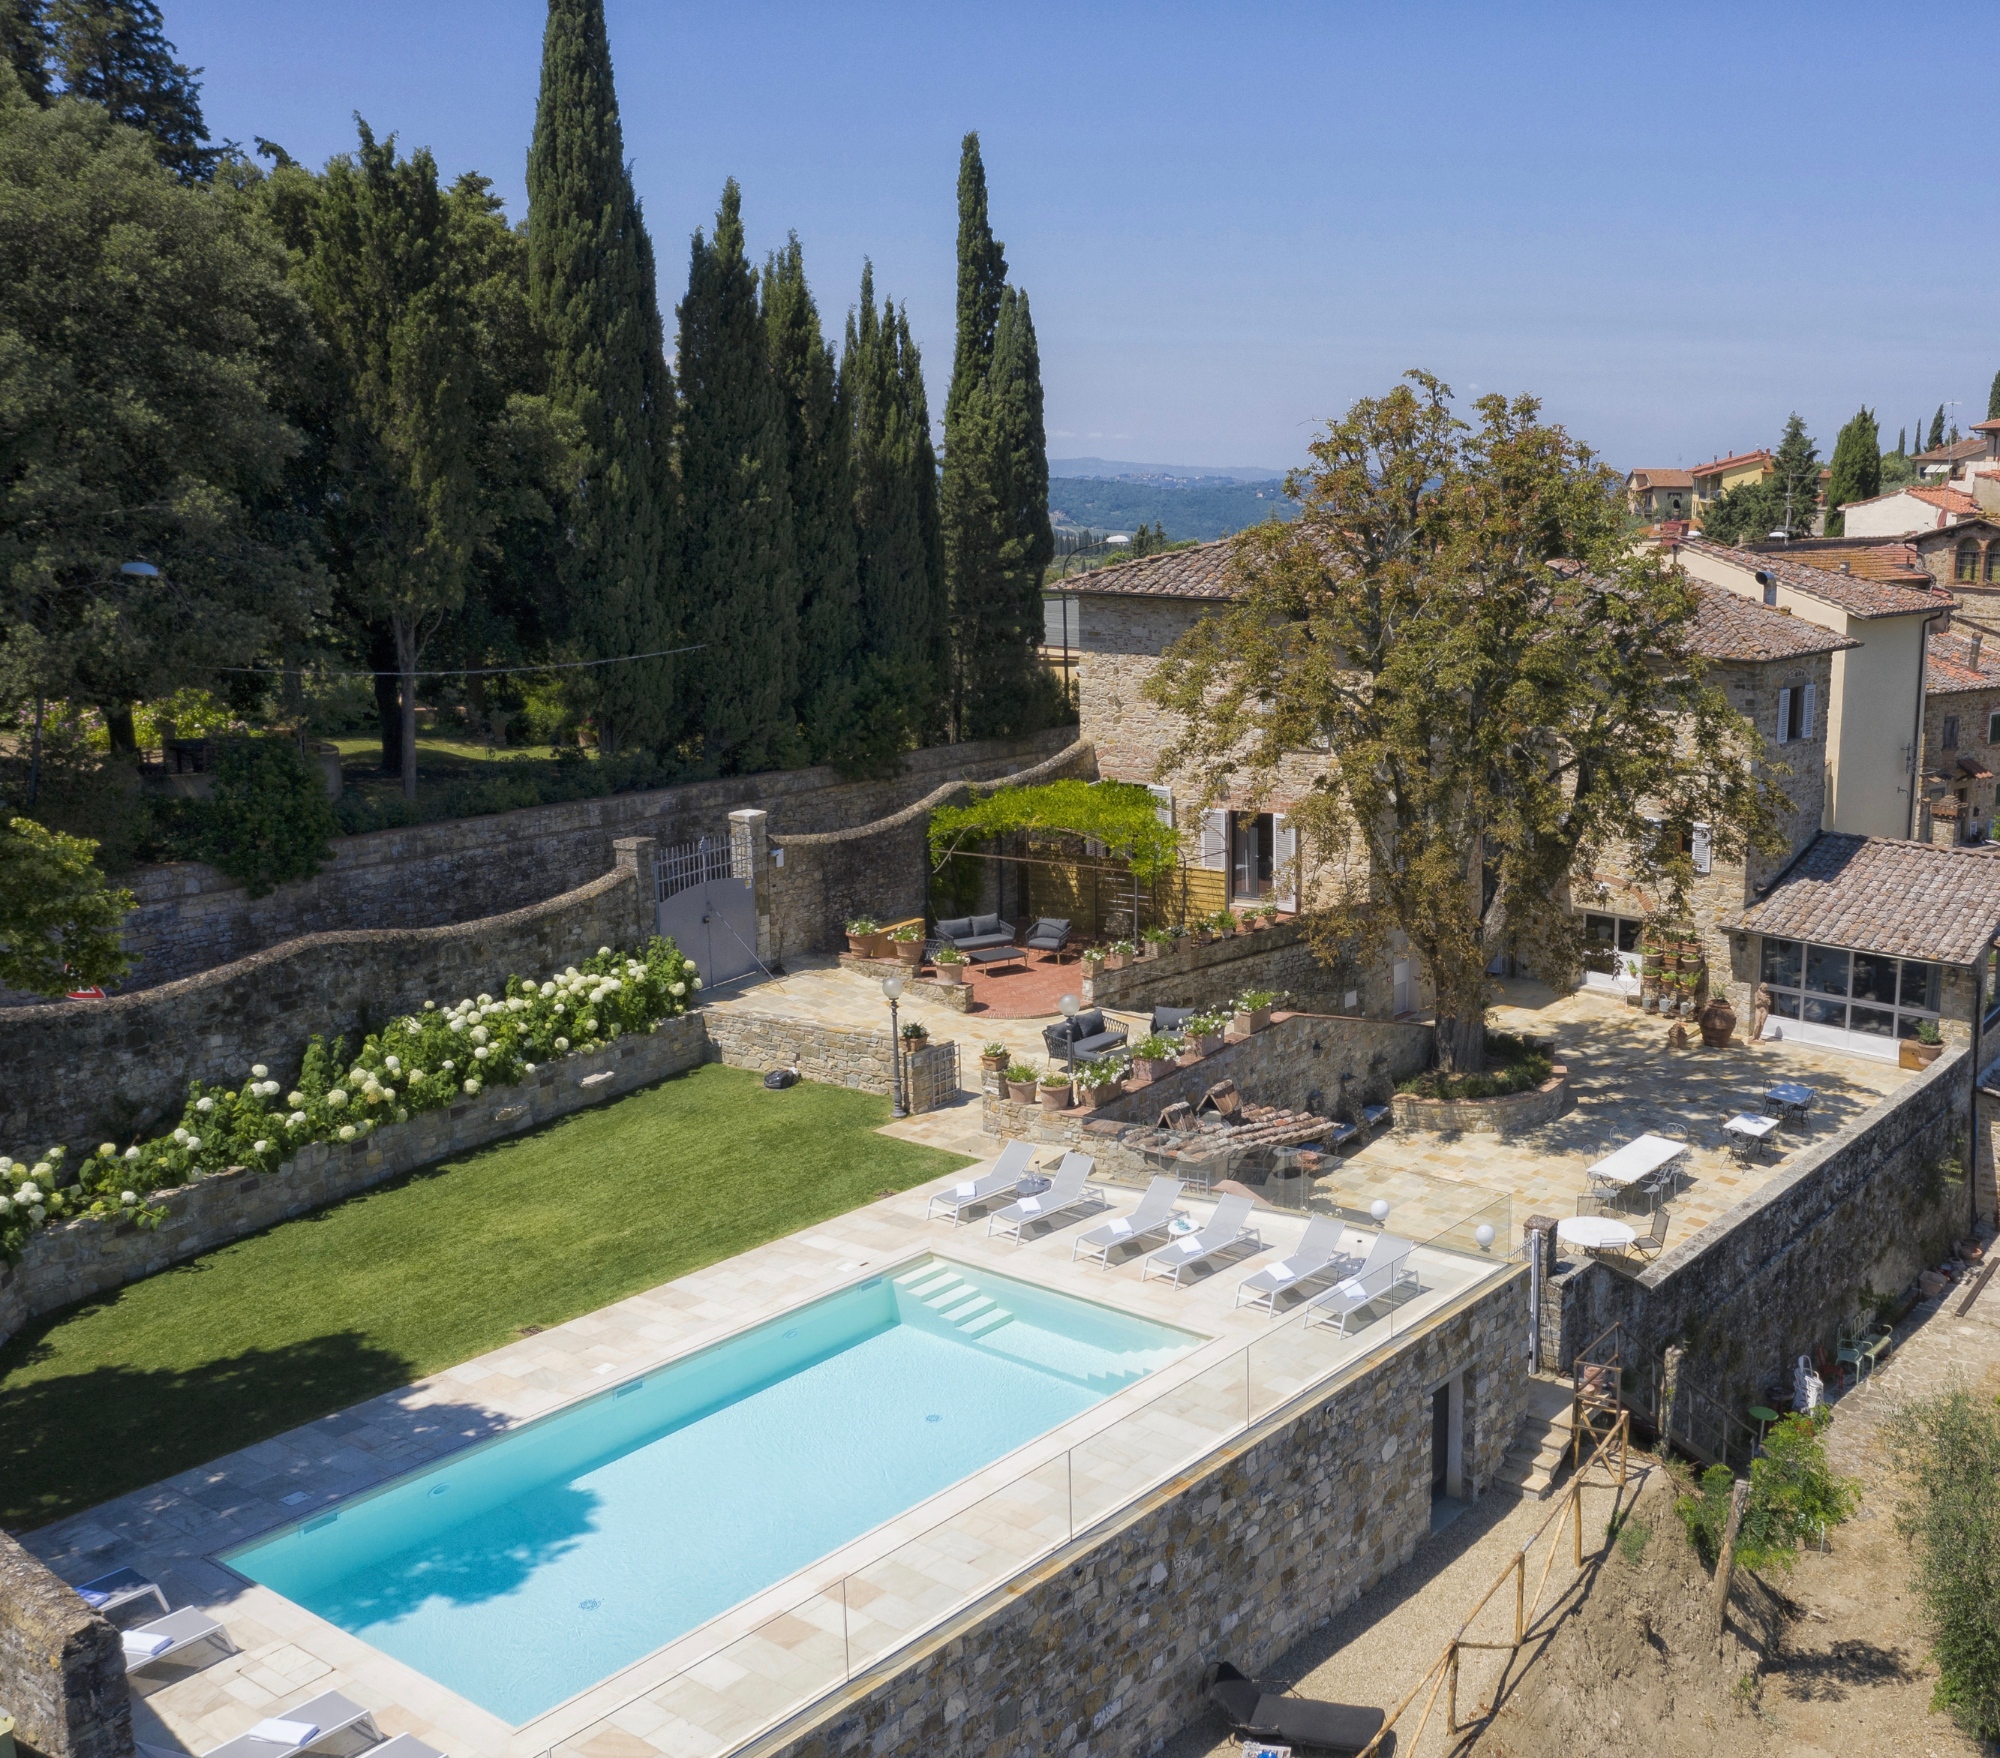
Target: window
{"type": "Point", "coordinates": [1993, 562]}
{"type": "Point", "coordinates": [1796, 712]}
{"type": "Point", "coordinates": [1948, 738]}
{"type": "Point", "coordinates": [1613, 933]}
{"type": "Point", "coordinates": [1701, 847]}
{"type": "Point", "coordinates": [1865, 992]}
{"type": "Point", "coordinates": [1968, 561]}
{"type": "Point", "coordinates": [1993, 729]}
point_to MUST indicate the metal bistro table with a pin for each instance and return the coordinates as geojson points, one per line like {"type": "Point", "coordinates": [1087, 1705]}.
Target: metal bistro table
{"type": "Point", "coordinates": [1789, 1102]}
{"type": "Point", "coordinates": [1595, 1232]}
{"type": "Point", "coordinates": [1748, 1134]}
{"type": "Point", "coordinates": [1639, 1162]}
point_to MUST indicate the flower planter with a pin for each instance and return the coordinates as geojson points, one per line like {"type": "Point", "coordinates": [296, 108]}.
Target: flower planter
{"type": "Point", "coordinates": [1053, 1098]}
{"type": "Point", "coordinates": [1209, 1043]}
{"type": "Point", "coordinates": [1190, 1055]}
{"type": "Point", "coordinates": [1255, 1020]}
{"type": "Point", "coordinates": [1022, 1092]}
{"type": "Point", "coordinates": [1147, 1069]}
{"type": "Point", "coordinates": [993, 1064]}
{"type": "Point", "coordinates": [1912, 1054]}
{"type": "Point", "coordinates": [862, 945]}
{"type": "Point", "coordinates": [1091, 1097]}
{"type": "Point", "coordinates": [911, 952]}
{"type": "Point", "coordinates": [951, 975]}
{"type": "Point", "coordinates": [1114, 961]}
{"type": "Point", "coordinates": [1718, 1023]}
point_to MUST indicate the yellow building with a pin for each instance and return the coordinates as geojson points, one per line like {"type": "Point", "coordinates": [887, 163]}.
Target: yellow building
{"type": "Point", "coordinates": [1722, 474]}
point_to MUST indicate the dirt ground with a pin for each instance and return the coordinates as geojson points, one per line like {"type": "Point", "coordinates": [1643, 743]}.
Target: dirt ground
{"type": "Point", "coordinates": [1828, 1658]}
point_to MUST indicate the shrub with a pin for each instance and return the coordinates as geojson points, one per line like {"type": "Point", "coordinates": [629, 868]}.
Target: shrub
{"type": "Point", "coordinates": [1020, 1073]}
{"type": "Point", "coordinates": [1794, 1497]}
{"type": "Point", "coordinates": [1946, 1451]}
{"type": "Point", "coordinates": [268, 821]}
{"type": "Point", "coordinates": [1521, 1067]}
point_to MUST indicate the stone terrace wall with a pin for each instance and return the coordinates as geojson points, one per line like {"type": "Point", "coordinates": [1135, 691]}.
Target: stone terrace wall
{"type": "Point", "coordinates": [62, 1669]}
{"type": "Point", "coordinates": [1211, 975]}
{"type": "Point", "coordinates": [90, 1071]}
{"type": "Point", "coordinates": [1782, 1271]}
{"type": "Point", "coordinates": [191, 918]}
{"type": "Point", "coordinates": [833, 1055]}
{"type": "Point", "coordinates": [1102, 1649]}
{"type": "Point", "coordinates": [72, 1262]}
{"type": "Point", "coordinates": [879, 868]}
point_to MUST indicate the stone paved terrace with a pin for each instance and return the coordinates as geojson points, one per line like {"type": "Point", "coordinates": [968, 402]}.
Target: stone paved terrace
{"type": "Point", "coordinates": [716, 1685]}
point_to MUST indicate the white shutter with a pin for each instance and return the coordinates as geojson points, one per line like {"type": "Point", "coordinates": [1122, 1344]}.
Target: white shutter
{"type": "Point", "coordinates": [1284, 861]}
{"type": "Point", "coordinates": [1806, 712]}
{"type": "Point", "coordinates": [1784, 717]}
{"type": "Point", "coordinates": [1164, 806]}
{"type": "Point", "coordinates": [1701, 847]}
{"type": "Point", "coordinates": [1215, 840]}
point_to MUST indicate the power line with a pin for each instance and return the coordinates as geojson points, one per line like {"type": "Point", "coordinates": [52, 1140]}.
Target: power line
{"type": "Point", "coordinates": [470, 671]}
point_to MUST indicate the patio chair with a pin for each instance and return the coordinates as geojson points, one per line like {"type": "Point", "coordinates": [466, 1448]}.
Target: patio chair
{"type": "Point", "coordinates": [1653, 1241]}
{"type": "Point", "coordinates": [1316, 1257]}
{"type": "Point", "coordinates": [1862, 1351]}
{"type": "Point", "coordinates": [1385, 1265]}
{"type": "Point", "coordinates": [121, 1587]}
{"type": "Point", "coordinates": [972, 933]}
{"type": "Point", "coordinates": [1086, 1037]}
{"type": "Point", "coordinates": [168, 1637]}
{"type": "Point", "coordinates": [1229, 1226]}
{"type": "Point", "coordinates": [1070, 1191]}
{"type": "Point", "coordinates": [1155, 1210]}
{"type": "Point", "coordinates": [1258, 1710]}
{"type": "Point", "coordinates": [971, 1193]}
{"type": "Point", "coordinates": [1049, 935]}
{"type": "Point", "coordinates": [314, 1726]}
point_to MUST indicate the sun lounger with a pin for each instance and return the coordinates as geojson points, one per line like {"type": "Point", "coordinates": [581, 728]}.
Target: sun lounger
{"type": "Point", "coordinates": [121, 1587]}
{"type": "Point", "coordinates": [1227, 1227]}
{"type": "Point", "coordinates": [1259, 1712]}
{"type": "Point", "coordinates": [320, 1725]}
{"type": "Point", "coordinates": [1155, 1210]}
{"type": "Point", "coordinates": [1317, 1256]}
{"type": "Point", "coordinates": [404, 1746]}
{"type": "Point", "coordinates": [988, 1186]}
{"type": "Point", "coordinates": [1069, 1191]}
{"type": "Point", "coordinates": [165, 1638]}
{"type": "Point", "coordinates": [1386, 1265]}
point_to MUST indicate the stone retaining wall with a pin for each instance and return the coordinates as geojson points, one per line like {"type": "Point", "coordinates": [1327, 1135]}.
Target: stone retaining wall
{"type": "Point", "coordinates": [1214, 974]}
{"type": "Point", "coordinates": [1101, 1649]}
{"type": "Point", "coordinates": [61, 1265]}
{"type": "Point", "coordinates": [1783, 1271]}
{"type": "Point", "coordinates": [833, 1055]}
{"type": "Point", "coordinates": [62, 1668]}
{"type": "Point", "coordinates": [82, 1072]}
{"type": "Point", "coordinates": [1509, 1114]}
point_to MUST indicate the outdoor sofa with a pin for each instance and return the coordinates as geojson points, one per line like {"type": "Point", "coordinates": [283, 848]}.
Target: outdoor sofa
{"type": "Point", "coordinates": [1084, 1037]}
{"type": "Point", "coordinates": [975, 933]}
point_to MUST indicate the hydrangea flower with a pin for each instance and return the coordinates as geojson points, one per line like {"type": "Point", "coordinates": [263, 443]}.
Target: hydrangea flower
{"type": "Point", "coordinates": [260, 1147]}
{"type": "Point", "coordinates": [480, 1053]}
{"type": "Point", "coordinates": [472, 1086]}
{"type": "Point", "coordinates": [562, 1043]}
{"type": "Point", "coordinates": [204, 1105]}
{"type": "Point", "coordinates": [480, 1034]}
{"type": "Point", "coordinates": [295, 1100]}
{"type": "Point", "coordinates": [131, 1154]}
{"type": "Point", "coordinates": [448, 1066]}
{"type": "Point", "coordinates": [296, 1120]}
{"type": "Point", "coordinates": [347, 1132]}
{"type": "Point", "coordinates": [128, 1197]}
{"type": "Point", "coordinates": [337, 1098]}
{"type": "Point", "coordinates": [107, 1150]}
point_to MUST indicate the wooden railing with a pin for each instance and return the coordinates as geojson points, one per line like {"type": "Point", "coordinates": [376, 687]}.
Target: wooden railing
{"type": "Point", "coordinates": [1442, 1676]}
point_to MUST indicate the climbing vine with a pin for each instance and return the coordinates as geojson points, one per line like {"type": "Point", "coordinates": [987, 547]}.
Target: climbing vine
{"type": "Point", "coordinates": [1120, 814]}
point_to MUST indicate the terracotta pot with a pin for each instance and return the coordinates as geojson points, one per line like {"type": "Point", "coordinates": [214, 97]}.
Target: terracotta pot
{"type": "Point", "coordinates": [1255, 1020]}
{"type": "Point", "coordinates": [1718, 1022]}
{"type": "Point", "coordinates": [861, 945]}
{"type": "Point", "coordinates": [1053, 1098]}
{"type": "Point", "coordinates": [1092, 1097]}
{"type": "Point", "coordinates": [1114, 961]}
{"type": "Point", "coordinates": [951, 975]}
{"type": "Point", "coordinates": [993, 1064]}
{"type": "Point", "coordinates": [911, 952]}
{"type": "Point", "coordinates": [1189, 1056]}
{"type": "Point", "coordinates": [1210, 1044]}
{"type": "Point", "coordinates": [1246, 927]}
{"type": "Point", "coordinates": [1148, 1069]}
{"type": "Point", "coordinates": [1022, 1092]}
{"type": "Point", "coordinates": [1911, 1054]}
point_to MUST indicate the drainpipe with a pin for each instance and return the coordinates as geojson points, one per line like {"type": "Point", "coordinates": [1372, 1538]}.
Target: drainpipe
{"type": "Point", "coordinates": [1972, 1092]}
{"type": "Point", "coordinates": [1917, 732]}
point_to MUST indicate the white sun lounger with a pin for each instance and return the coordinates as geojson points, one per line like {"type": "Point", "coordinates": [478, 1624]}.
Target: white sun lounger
{"type": "Point", "coordinates": [120, 1588]}
{"type": "Point", "coordinates": [1228, 1226]}
{"type": "Point", "coordinates": [311, 1727]}
{"type": "Point", "coordinates": [1387, 1264]}
{"type": "Point", "coordinates": [1069, 1191]}
{"type": "Point", "coordinates": [1155, 1210]}
{"type": "Point", "coordinates": [165, 1638]}
{"type": "Point", "coordinates": [1317, 1256]}
{"type": "Point", "coordinates": [972, 1192]}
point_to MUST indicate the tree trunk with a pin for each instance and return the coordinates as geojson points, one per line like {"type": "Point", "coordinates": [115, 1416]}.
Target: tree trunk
{"type": "Point", "coordinates": [118, 723]}
{"type": "Point", "coordinates": [1461, 1043]}
{"type": "Point", "coordinates": [388, 707]}
{"type": "Point", "coordinates": [406, 667]}
{"type": "Point", "coordinates": [1725, 1564]}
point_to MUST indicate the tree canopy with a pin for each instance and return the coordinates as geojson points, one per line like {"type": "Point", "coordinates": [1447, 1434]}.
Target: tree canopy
{"type": "Point", "coordinates": [1787, 500]}
{"type": "Point", "coordinates": [58, 919]}
{"type": "Point", "coordinates": [1502, 687]}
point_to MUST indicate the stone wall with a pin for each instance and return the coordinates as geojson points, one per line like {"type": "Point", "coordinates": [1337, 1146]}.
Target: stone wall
{"type": "Point", "coordinates": [79, 1259]}
{"type": "Point", "coordinates": [878, 868]}
{"type": "Point", "coordinates": [191, 918]}
{"type": "Point", "coordinates": [1102, 1648]}
{"type": "Point", "coordinates": [1783, 1271]}
{"type": "Point", "coordinates": [1215, 973]}
{"type": "Point", "coordinates": [62, 1668]}
{"type": "Point", "coordinates": [835, 1056]}
{"type": "Point", "coordinates": [82, 1072]}
{"type": "Point", "coordinates": [1511, 1114]}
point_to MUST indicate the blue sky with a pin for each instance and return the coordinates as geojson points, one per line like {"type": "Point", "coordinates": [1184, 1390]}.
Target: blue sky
{"type": "Point", "coordinates": [1673, 225]}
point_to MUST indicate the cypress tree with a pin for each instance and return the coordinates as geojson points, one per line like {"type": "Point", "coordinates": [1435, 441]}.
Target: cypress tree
{"type": "Point", "coordinates": [116, 53]}
{"type": "Point", "coordinates": [932, 649]}
{"type": "Point", "coordinates": [1993, 399]}
{"type": "Point", "coordinates": [820, 478]}
{"type": "Point", "coordinates": [24, 45]}
{"type": "Point", "coordinates": [738, 563]}
{"type": "Point", "coordinates": [995, 541]}
{"type": "Point", "coordinates": [1937, 429]}
{"type": "Point", "coordinates": [1856, 468]}
{"type": "Point", "coordinates": [1902, 442]}
{"type": "Point", "coordinates": [591, 282]}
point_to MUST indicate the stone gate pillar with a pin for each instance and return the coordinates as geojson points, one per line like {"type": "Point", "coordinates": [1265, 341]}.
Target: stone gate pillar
{"type": "Point", "coordinates": [639, 856]}
{"type": "Point", "coordinates": [750, 858]}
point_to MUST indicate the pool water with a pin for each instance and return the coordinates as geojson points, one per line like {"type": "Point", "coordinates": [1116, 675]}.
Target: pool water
{"type": "Point", "coordinates": [525, 1569]}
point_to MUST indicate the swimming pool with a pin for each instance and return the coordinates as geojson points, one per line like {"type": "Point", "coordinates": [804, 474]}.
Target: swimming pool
{"type": "Point", "coordinates": [523, 1570]}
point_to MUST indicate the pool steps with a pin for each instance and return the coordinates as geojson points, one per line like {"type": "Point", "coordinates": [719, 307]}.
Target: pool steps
{"type": "Point", "coordinates": [961, 1303]}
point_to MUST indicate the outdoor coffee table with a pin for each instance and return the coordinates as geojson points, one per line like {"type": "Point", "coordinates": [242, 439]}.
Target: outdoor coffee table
{"type": "Point", "coordinates": [1747, 1134]}
{"type": "Point", "coordinates": [1789, 1102]}
{"type": "Point", "coordinates": [1595, 1233]}
{"type": "Point", "coordinates": [985, 955]}
{"type": "Point", "coordinates": [1640, 1161]}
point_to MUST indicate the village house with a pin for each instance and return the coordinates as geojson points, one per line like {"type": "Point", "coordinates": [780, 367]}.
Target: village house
{"type": "Point", "coordinates": [1660, 494]}
{"type": "Point", "coordinates": [1717, 477]}
{"type": "Point", "coordinates": [1918, 507]}
{"type": "Point", "coordinates": [1961, 735]}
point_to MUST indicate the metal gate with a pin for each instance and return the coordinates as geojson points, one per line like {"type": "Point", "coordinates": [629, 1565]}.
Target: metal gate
{"type": "Point", "coordinates": [708, 908]}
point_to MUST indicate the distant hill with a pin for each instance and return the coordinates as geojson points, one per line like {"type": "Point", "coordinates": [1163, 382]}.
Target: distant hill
{"type": "Point", "coordinates": [1163, 473]}
{"type": "Point", "coordinates": [1182, 508]}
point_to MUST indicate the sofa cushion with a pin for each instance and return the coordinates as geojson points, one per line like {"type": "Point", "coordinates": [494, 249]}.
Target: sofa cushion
{"type": "Point", "coordinates": [988, 925]}
{"type": "Point", "coordinates": [1097, 1045]}
{"type": "Point", "coordinates": [958, 928]}
{"type": "Point", "coordinates": [1171, 1019]}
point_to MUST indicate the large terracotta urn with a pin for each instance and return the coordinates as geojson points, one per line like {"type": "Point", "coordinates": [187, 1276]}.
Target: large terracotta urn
{"type": "Point", "coordinates": [1717, 1021]}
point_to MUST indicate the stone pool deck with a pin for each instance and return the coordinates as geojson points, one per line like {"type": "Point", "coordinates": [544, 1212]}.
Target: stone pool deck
{"type": "Point", "coordinates": [717, 1685]}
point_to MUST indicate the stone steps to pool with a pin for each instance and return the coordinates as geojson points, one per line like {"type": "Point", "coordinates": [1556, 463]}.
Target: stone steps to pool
{"type": "Point", "coordinates": [955, 1300]}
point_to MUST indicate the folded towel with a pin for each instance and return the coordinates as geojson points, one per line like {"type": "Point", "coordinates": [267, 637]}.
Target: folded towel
{"type": "Point", "coordinates": [1031, 1205]}
{"type": "Point", "coordinates": [285, 1733]}
{"type": "Point", "coordinates": [141, 1646]}
{"type": "Point", "coordinates": [1120, 1226]}
{"type": "Point", "coordinates": [1189, 1246]}
{"type": "Point", "coordinates": [1351, 1287]}
{"type": "Point", "coordinates": [1282, 1272]}
{"type": "Point", "coordinates": [963, 1189]}
{"type": "Point", "coordinates": [90, 1597]}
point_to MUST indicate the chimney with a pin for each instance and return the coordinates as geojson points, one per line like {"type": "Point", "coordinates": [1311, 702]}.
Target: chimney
{"type": "Point", "coordinates": [1977, 638]}
{"type": "Point", "coordinates": [1847, 567]}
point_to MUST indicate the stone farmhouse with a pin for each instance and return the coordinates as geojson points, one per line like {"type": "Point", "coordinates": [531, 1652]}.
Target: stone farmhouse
{"type": "Point", "coordinates": [1961, 735]}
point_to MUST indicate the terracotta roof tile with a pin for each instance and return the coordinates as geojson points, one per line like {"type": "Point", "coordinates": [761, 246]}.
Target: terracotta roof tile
{"type": "Point", "coordinates": [1949, 667]}
{"type": "Point", "coordinates": [1660, 479]}
{"type": "Point", "coordinates": [1734, 462]}
{"type": "Point", "coordinates": [1201, 572]}
{"type": "Point", "coordinates": [1955, 453]}
{"type": "Point", "coordinates": [1848, 592]}
{"type": "Point", "coordinates": [1875, 894]}
{"type": "Point", "coordinates": [1950, 500]}
{"type": "Point", "coordinates": [1730, 626]}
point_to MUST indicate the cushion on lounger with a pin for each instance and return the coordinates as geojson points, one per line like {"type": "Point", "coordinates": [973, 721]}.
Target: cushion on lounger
{"type": "Point", "coordinates": [285, 1733]}
{"type": "Point", "coordinates": [138, 1644]}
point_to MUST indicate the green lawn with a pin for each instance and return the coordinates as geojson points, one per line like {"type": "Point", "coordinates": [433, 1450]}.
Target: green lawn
{"type": "Point", "coordinates": [363, 1297]}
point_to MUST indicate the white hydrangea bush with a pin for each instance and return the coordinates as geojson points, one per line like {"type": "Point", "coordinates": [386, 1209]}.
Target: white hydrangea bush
{"type": "Point", "coordinates": [437, 1056]}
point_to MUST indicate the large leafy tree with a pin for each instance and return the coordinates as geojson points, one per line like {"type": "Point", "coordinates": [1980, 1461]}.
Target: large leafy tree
{"type": "Point", "coordinates": [592, 279]}
{"type": "Point", "coordinates": [59, 921]}
{"type": "Point", "coordinates": [740, 566]}
{"type": "Point", "coordinates": [1856, 470]}
{"type": "Point", "coordinates": [148, 338]}
{"type": "Point", "coordinates": [1502, 687]}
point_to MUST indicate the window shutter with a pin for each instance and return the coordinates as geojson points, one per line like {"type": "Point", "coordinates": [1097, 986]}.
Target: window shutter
{"type": "Point", "coordinates": [1700, 848]}
{"type": "Point", "coordinates": [1163, 798]}
{"type": "Point", "coordinates": [1806, 712]}
{"type": "Point", "coordinates": [1784, 717]}
{"type": "Point", "coordinates": [1285, 858]}
{"type": "Point", "coordinates": [1215, 840]}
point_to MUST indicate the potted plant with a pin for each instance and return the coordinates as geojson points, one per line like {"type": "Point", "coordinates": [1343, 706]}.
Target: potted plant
{"type": "Point", "coordinates": [1924, 1049]}
{"type": "Point", "coordinates": [1205, 1031]}
{"type": "Point", "coordinates": [908, 943]}
{"type": "Point", "coordinates": [994, 1058]}
{"type": "Point", "coordinates": [1053, 1089]}
{"type": "Point", "coordinates": [1093, 960]}
{"type": "Point", "coordinates": [1020, 1083]}
{"type": "Point", "coordinates": [1223, 923]}
{"type": "Point", "coordinates": [862, 935]}
{"type": "Point", "coordinates": [1098, 1083]}
{"type": "Point", "coordinates": [1157, 941]}
{"type": "Point", "coordinates": [916, 1035]}
{"type": "Point", "coordinates": [1253, 1008]}
{"type": "Point", "coordinates": [1117, 955]}
{"type": "Point", "coordinates": [1152, 1056]}
{"type": "Point", "coordinates": [950, 964]}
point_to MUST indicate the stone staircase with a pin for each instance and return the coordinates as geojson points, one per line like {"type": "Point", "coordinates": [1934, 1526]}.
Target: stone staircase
{"type": "Point", "coordinates": [1541, 1449]}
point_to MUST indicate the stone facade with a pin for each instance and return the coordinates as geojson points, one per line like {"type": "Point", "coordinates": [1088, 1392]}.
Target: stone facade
{"type": "Point", "coordinates": [1101, 1649]}
{"type": "Point", "coordinates": [62, 1668]}
{"type": "Point", "coordinates": [82, 1258]}
{"type": "Point", "coordinates": [191, 918]}
{"type": "Point", "coordinates": [835, 1056]}
{"type": "Point", "coordinates": [1781, 1273]}
{"type": "Point", "coordinates": [82, 1072]}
